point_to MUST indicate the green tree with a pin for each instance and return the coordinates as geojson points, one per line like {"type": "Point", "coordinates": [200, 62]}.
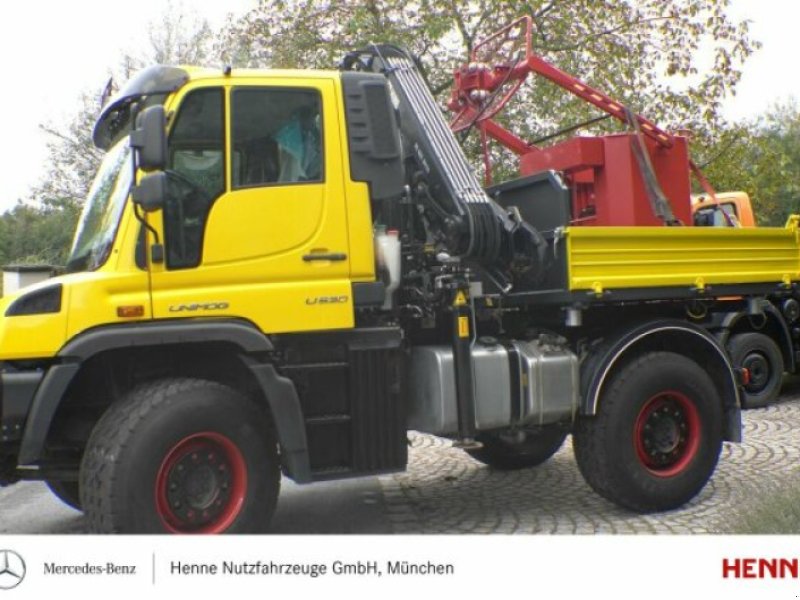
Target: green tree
{"type": "Point", "coordinates": [762, 158]}
{"type": "Point", "coordinates": [643, 51]}
{"type": "Point", "coordinates": [36, 234]}
{"type": "Point", "coordinates": [649, 54]}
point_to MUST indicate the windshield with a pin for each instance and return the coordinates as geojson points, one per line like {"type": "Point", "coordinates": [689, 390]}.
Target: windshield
{"type": "Point", "coordinates": [101, 213]}
{"type": "Point", "coordinates": [719, 215]}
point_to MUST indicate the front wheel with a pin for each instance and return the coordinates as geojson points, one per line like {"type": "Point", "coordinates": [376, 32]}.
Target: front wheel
{"type": "Point", "coordinates": [181, 456]}
{"type": "Point", "coordinates": [657, 434]}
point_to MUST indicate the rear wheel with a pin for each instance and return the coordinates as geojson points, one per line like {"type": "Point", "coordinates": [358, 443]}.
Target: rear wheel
{"type": "Point", "coordinates": [181, 456]}
{"type": "Point", "coordinates": [67, 492]}
{"type": "Point", "coordinates": [519, 450]}
{"type": "Point", "coordinates": [657, 434]}
{"type": "Point", "coordinates": [762, 358]}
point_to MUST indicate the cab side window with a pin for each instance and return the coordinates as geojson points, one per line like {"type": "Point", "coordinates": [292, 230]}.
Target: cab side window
{"type": "Point", "coordinates": [277, 137]}
{"type": "Point", "coordinates": [196, 174]}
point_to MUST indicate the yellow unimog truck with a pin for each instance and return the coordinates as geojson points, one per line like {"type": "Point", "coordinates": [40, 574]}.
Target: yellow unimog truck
{"type": "Point", "coordinates": [282, 272]}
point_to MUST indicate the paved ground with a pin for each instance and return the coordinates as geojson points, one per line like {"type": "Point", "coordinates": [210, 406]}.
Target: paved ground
{"type": "Point", "coordinates": [445, 491]}
{"type": "Point", "coordinates": [353, 506]}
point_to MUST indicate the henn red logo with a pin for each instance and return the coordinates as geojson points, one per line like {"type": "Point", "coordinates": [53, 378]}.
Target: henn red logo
{"type": "Point", "coordinates": [760, 568]}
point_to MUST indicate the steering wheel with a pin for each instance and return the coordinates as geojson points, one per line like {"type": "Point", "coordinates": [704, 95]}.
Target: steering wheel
{"type": "Point", "coordinates": [190, 200]}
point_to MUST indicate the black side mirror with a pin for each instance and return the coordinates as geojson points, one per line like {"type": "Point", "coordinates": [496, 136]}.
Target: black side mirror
{"type": "Point", "coordinates": [149, 139]}
{"type": "Point", "coordinates": [151, 192]}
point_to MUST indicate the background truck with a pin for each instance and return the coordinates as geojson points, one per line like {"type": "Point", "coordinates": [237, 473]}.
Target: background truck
{"type": "Point", "coordinates": [723, 209]}
{"type": "Point", "coordinates": [640, 176]}
{"type": "Point", "coordinates": [282, 272]}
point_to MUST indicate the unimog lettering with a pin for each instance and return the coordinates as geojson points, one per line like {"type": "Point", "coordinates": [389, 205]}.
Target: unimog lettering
{"type": "Point", "coordinates": [327, 300]}
{"type": "Point", "coordinates": [198, 306]}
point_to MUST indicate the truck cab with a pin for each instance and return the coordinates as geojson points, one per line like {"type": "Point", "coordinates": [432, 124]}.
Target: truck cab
{"type": "Point", "coordinates": [258, 212]}
{"type": "Point", "coordinates": [260, 229]}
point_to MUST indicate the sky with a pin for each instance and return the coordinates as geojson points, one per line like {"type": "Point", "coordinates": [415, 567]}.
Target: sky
{"type": "Point", "coordinates": [53, 50]}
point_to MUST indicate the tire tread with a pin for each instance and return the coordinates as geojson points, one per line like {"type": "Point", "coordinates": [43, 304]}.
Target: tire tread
{"type": "Point", "coordinates": [593, 436]}
{"type": "Point", "coordinates": [110, 438]}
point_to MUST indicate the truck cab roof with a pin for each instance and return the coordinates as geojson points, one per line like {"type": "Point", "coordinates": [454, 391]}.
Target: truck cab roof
{"type": "Point", "coordinates": [153, 84]}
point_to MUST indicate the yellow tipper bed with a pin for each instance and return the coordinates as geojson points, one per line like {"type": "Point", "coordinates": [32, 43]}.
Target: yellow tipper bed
{"type": "Point", "coordinates": [601, 258]}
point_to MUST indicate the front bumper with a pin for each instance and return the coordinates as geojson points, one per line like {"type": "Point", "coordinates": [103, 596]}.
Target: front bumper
{"type": "Point", "coordinates": [17, 389]}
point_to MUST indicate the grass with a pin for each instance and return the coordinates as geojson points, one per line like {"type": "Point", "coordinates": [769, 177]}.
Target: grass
{"type": "Point", "coordinates": [776, 512]}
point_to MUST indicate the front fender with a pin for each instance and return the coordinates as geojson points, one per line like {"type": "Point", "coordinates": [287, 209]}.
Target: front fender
{"type": "Point", "coordinates": [279, 392]}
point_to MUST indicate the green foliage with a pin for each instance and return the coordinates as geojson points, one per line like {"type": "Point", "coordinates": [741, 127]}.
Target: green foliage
{"type": "Point", "coordinates": [761, 158]}
{"type": "Point", "coordinates": [32, 234]}
{"type": "Point", "coordinates": [643, 51]}
{"type": "Point", "coordinates": [72, 158]}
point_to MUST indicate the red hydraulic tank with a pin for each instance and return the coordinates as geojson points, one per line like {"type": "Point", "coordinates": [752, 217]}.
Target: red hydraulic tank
{"type": "Point", "coordinates": [606, 179]}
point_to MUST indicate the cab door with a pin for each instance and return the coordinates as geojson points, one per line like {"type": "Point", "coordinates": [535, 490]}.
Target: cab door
{"type": "Point", "coordinates": [254, 224]}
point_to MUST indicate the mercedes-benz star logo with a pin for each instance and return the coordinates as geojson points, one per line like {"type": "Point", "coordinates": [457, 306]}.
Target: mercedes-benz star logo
{"type": "Point", "coordinates": [12, 569]}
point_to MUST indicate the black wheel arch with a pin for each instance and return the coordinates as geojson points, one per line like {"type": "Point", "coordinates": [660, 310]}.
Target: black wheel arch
{"type": "Point", "coordinates": [246, 344]}
{"type": "Point", "coordinates": [621, 345]}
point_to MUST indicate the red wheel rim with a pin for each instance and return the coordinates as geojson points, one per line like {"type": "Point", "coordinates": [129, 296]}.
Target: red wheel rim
{"type": "Point", "coordinates": [667, 433]}
{"type": "Point", "coordinates": [201, 484]}
{"type": "Point", "coordinates": [760, 372]}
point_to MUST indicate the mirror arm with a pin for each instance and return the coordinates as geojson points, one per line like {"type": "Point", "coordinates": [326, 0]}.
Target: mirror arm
{"type": "Point", "coordinates": [141, 218]}
{"type": "Point", "coordinates": [157, 249]}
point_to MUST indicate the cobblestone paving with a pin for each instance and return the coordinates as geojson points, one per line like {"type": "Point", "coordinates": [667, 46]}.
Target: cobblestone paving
{"type": "Point", "coordinates": [446, 491]}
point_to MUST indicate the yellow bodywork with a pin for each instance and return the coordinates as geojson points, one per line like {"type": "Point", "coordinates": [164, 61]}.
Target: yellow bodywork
{"type": "Point", "coordinates": [255, 239]}
{"type": "Point", "coordinates": [603, 258]}
{"type": "Point", "coordinates": [88, 300]}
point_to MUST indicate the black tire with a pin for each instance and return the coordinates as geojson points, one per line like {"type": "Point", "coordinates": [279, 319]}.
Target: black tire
{"type": "Point", "coordinates": [506, 454]}
{"type": "Point", "coordinates": [763, 358]}
{"type": "Point", "coordinates": [66, 491]}
{"type": "Point", "coordinates": [181, 456]}
{"type": "Point", "coordinates": [657, 434]}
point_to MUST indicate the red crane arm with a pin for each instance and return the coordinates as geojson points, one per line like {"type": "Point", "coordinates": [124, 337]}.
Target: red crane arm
{"type": "Point", "coordinates": [478, 93]}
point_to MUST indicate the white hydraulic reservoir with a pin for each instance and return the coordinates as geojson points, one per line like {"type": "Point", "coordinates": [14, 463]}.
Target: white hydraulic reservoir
{"type": "Point", "coordinates": [389, 260]}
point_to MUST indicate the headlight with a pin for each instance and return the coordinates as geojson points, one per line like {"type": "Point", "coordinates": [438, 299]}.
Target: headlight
{"type": "Point", "coordinates": [45, 300]}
